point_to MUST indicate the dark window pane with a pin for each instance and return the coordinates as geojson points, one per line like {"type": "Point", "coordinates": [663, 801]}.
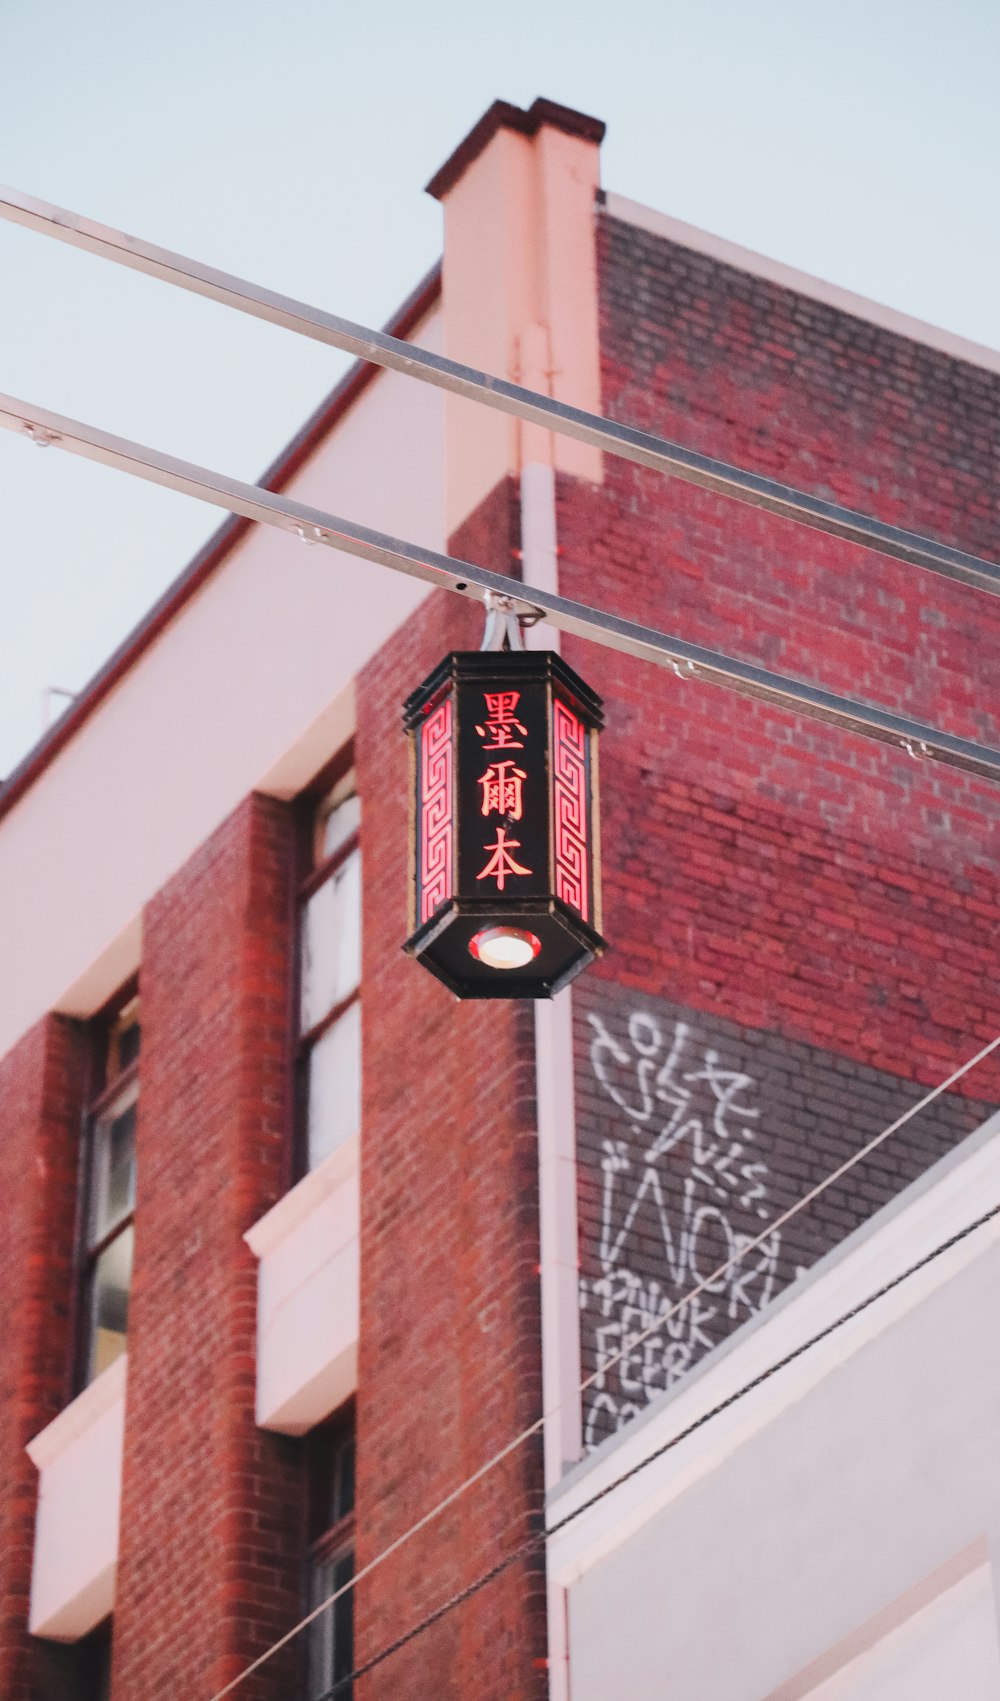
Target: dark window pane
{"type": "Point", "coordinates": [95, 1663]}
{"type": "Point", "coordinates": [108, 1309]}
{"type": "Point", "coordinates": [344, 1489]}
{"type": "Point", "coordinates": [331, 1478]}
{"type": "Point", "coordinates": [343, 1624]}
{"type": "Point", "coordinates": [113, 1169]}
{"type": "Point", "coordinates": [331, 1635]}
{"type": "Point", "coordinates": [128, 1045]}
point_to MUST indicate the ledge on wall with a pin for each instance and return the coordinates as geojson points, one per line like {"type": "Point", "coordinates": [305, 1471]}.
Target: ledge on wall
{"type": "Point", "coordinates": [79, 1458]}
{"type": "Point", "coordinates": [308, 1296]}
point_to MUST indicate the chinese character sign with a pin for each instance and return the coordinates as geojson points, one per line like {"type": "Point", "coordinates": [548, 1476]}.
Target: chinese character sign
{"type": "Point", "coordinates": [502, 785]}
{"type": "Point", "coordinates": [504, 819]}
{"type": "Point", "coordinates": [502, 724]}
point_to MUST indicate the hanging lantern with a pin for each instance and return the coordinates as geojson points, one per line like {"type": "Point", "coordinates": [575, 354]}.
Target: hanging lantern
{"type": "Point", "coordinates": [505, 882]}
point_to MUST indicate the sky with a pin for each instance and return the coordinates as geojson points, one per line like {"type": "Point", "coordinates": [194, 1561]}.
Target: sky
{"type": "Point", "coordinates": [290, 143]}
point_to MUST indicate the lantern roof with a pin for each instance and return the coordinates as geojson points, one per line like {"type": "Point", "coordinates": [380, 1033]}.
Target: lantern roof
{"type": "Point", "coordinates": [527, 665]}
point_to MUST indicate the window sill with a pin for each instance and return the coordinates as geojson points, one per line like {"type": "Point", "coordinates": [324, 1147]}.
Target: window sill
{"type": "Point", "coordinates": [301, 1200]}
{"type": "Point", "coordinates": [308, 1296]}
{"type": "Point", "coordinates": [79, 1459]}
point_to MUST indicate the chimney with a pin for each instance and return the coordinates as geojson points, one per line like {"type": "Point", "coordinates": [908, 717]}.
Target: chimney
{"type": "Point", "coordinates": [520, 288]}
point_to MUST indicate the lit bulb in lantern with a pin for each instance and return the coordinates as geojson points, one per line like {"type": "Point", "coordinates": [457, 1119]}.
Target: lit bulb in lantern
{"type": "Point", "coordinates": [504, 947]}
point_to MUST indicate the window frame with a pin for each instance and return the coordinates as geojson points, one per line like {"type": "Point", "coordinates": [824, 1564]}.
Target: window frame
{"type": "Point", "coordinates": [336, 1541]}
{"type": "Point", "coordinates": [100, 1095]}
{"type": "Point", "coordinates": [309, 877]}
{"type": "Point", "coordinates": [94, 1655]}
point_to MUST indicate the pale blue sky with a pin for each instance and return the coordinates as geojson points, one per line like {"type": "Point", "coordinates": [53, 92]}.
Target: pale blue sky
{"type": "Point", "coordinates": [859, 141]}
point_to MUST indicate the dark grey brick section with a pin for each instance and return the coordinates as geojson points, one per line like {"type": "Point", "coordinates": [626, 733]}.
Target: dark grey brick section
{"type": "Point", "coordinates": [668, 307]}
{"type": "Point", "coordinates": [694, 1133]}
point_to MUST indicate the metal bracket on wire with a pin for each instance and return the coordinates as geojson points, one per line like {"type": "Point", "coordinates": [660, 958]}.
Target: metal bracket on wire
{"type": "Point", "coordinates": [506, 620]}
{"type": "Point", "coordinates": [397, 355]}
{"type": "Point", "coordinates": [41, 438]}
{"type": "Point", "coordinates": [687, 660]}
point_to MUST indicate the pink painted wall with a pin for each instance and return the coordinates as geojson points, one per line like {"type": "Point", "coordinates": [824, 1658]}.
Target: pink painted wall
{"type": "Point", "coordinates": [248, 688]}
{"type": "Point", "coordinates": [520, 301]}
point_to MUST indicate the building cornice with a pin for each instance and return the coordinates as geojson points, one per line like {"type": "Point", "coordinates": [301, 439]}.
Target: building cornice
{"type": "Point", "coordinates": [502, 115]}
{"type": "Point", "coordinates": [213, 553]}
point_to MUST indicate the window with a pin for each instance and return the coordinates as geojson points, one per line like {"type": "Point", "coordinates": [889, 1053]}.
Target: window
{"type": "Point", "coordinates": [94, 1654]}
{"type": "Point", "coordinates": [329, 962]}
{"type": "Point", "coordinates": [108, 1194]}
{"type": "Point", "coordinates": [330, 1563]}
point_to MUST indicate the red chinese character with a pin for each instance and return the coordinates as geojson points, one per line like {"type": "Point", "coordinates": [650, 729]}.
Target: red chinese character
{"type": "Point", "coordinates": [501, 863]}
{"type": "Point", "coordinates": [501, 720]}
{"type": "Point", "coordinates": [502, 790]}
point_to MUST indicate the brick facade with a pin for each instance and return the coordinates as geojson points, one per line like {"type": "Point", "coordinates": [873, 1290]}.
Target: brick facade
{"type": "Point", "coordinates": [802, 927]}
{"type": "Point", "coordinates": [41, 1093]}
{"type": "Point", "coordinates": [819, 912]}
{"type": "Point", "coordinates": [450, 1366]}
{"type": "Point", "coordinates": [212, 1515]}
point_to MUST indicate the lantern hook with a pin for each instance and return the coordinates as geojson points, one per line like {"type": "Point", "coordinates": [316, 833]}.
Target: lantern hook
{"type": "Point", "coordinates": [505, 622]}
{"type": "Point", "coordinates": [309, 534]}
{"type": "Point", "coordinates": [39, 436]}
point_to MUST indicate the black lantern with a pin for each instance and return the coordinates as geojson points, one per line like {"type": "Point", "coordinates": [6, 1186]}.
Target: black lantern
{"type": "Point", "coordinates": [505, 874]}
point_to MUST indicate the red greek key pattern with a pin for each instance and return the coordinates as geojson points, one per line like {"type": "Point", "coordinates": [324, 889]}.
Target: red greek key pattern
{"type": "Point", "coordinates": [569, 749]}
{"type": "Point", "coordinates": [436, 762]}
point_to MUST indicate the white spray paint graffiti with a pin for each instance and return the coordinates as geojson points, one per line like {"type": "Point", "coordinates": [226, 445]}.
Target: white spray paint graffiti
{"type": "Point", "coordinates": [678, 1099]}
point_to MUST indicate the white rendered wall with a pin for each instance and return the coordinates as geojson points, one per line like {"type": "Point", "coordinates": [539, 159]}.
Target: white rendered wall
{"type": "Point", "coordinates": [308, 1296]}
{"type": "Point", "coordinates": [79, 1458]}
{"type": "Point", "coordinates": [248, 688]}
{"type": "Point", "coordinates": [947, 1649]}
{"type": "Point", "coordinates": [743, 1563]}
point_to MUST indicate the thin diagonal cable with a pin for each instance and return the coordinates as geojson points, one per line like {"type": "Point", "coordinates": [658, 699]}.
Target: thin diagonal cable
{"type": "Point", "coordinates": [538, 1540]}
{"type": "Point", "coordinates": [608, 1364]}
{"type": "Point", "coordinates": [552, 414]}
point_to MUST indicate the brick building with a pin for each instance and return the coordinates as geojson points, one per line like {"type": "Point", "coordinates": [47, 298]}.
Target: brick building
{"type": "Point", "coordinates": [296, 1243]}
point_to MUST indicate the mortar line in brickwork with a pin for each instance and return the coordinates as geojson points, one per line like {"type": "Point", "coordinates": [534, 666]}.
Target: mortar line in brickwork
{"type": "Point", "coordinates": [688, 661]}
{"type": "Point", "coordinates": [641, 447]}
{"type": "Point", "coordinates": [634, 1341]}
{"type": "Point", "coordinates": [543, 1536]}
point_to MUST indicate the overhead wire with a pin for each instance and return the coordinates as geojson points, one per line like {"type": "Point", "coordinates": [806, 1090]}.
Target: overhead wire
{"type": "Point", "coordinates": [314, 525]}
{"type": "Point", "coordinates": [639, 447]}
{"type": "Point", "coordinates": [540, 1538]}
{"type": "Point", "coordinates": [607, 1364]}
{"type": "Point", "coordinates": [643, 448]}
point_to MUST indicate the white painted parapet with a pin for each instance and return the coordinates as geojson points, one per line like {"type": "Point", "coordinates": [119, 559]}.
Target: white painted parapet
{"type": "Point", "coordinates": [832, 1531]}
{"type": "Point", "coordinates": [308, 1296]}
{"type": "Point", "coordinates": [79, 1458]}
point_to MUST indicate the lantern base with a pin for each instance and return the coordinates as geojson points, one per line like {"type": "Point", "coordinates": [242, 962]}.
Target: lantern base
{"type": "Point", "coordinates": [566, 945]}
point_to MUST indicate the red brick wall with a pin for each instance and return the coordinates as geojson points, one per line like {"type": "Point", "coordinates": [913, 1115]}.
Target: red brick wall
{"type": "Point", "coordinates": [778, 886]}
{"type": "Point", "coordinates": [796, 877]}
{"type": "Point", "coordinates": [741, 369]}
{"type": "Point", "coordinates": [212, 1533]}
{"type": "Point", "coordinates": [450, 1363]}
{"type": "Point", "coordinates": [41, 1087]}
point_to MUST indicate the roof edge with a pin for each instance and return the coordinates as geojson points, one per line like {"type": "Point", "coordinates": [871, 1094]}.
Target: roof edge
{"type": "Point", "coordinates": [836, 296]}
{"type": "Point", "coordinates": [503, 115]}
{"type": "Point", "coordinates": [213, 552]}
